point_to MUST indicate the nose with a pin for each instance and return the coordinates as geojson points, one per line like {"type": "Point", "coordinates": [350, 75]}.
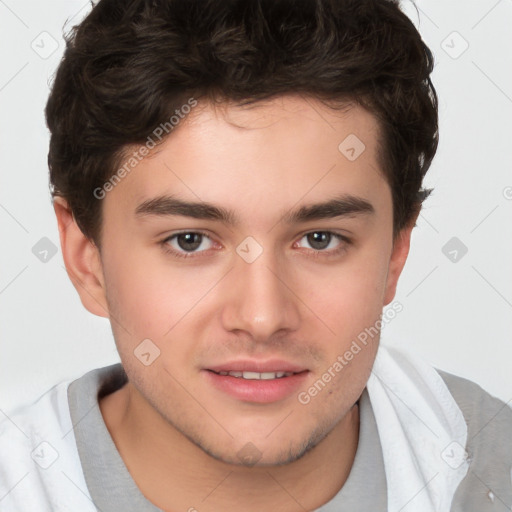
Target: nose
{"type": "Point", "coordinates": [260, 299]}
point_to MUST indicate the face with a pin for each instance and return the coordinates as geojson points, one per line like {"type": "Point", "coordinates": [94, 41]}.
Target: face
{"type": "Point", "coordinates": [252, 252]}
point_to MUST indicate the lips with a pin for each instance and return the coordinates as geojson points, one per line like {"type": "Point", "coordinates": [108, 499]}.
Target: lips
{"type": "Point", "coordinates": [255, 366]}
{"type": "Point", "coordinates": [256, 381]}
{"type": "Point", "coordinates": [257, 375]}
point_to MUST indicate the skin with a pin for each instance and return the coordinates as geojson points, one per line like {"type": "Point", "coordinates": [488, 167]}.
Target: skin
{"type": "Point", "coordinates": [178, 435]}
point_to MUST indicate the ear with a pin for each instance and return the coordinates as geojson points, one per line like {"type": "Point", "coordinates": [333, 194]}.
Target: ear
{"type": "Point", "coordinates": [82, 260]}
{"type": "Point", "coordinates": [398, 258]}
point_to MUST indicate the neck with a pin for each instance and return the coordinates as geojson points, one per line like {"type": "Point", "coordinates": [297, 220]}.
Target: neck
{"type": "Point", "coordinates": [175, 474]}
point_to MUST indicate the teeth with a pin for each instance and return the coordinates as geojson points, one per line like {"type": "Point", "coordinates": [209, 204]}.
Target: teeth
{"type": "Point", "coordinates": [257, 376]}
{"type": "Point", "coordinates": [252, 375]}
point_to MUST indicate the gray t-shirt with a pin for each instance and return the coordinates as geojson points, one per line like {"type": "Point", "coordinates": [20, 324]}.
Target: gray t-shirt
{"type": "Point", "coordinates": [486, 487]}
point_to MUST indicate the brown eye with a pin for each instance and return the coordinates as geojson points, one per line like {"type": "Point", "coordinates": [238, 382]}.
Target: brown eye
{"type": "Point", "coordinates": [189, 242]}
{"type": "Point", "coordinates": [322, 240]}
{"type": "Point", "coordinates": [324, 244]}
{"type": "Point", "coordinates": [319, 240]}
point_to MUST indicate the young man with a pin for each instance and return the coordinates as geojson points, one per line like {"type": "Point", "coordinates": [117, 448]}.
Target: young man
{"type": "Point", "coordinates": [235, 185]}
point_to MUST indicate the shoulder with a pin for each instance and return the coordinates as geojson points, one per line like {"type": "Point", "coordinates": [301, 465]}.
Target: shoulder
{"type": "Point", "coordinates": [488, 483]}
{"type": "Point", "coordinates": [485, 414]}
{"type": "Point", "coordinates": [39, 461]}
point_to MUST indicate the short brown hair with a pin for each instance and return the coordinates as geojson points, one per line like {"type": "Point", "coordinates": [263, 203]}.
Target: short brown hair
{"type": "Point", "coordinates": [131, 63]}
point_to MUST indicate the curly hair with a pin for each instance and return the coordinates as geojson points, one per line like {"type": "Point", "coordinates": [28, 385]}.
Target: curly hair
{"type": "Point", "coordinates": [131, 63]}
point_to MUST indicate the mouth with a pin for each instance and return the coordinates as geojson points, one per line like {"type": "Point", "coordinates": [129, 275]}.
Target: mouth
{"type": "Point", "coordinates": [256, 383]}
{"type": "Point", "coordinates": [256, 375]}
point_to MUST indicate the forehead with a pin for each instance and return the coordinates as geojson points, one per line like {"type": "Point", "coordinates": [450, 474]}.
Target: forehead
{"type": "Point", "coordinates": [276, 152]}
{"type": "Point", "coordinates": [296, 126]}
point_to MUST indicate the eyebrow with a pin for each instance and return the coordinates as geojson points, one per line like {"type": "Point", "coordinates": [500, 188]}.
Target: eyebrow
{"type": "Point", "coordinates": [342, 206]}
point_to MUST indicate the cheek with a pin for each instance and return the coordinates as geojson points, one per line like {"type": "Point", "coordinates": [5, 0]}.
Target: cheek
{"type": "Point", "coordinates": [152, 299]}
{"type": "Point", "coordinates": [347, 297]}
{"type": "Point", "coordinates": [349, 301]}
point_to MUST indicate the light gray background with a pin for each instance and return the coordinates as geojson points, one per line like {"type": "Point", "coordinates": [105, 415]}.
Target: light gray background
{"type": "Point", "coordinates": [457, 314]}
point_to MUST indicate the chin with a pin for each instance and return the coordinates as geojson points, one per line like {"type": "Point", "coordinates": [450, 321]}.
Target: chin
{"type": "Point", "coordinates": [263, 453]}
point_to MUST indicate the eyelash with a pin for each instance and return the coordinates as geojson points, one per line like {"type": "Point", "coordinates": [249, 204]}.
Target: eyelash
{"type": "Point", "coordinates": [314, 253]}
{"type": "Point", "coordinates": [167, 248]}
